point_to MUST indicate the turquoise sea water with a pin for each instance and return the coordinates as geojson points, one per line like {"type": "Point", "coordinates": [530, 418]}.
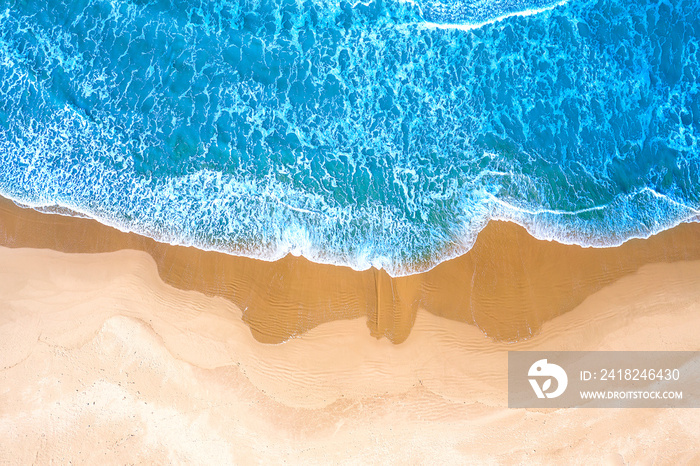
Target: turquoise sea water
{"type": "Point", "coordinates": [381, 133]}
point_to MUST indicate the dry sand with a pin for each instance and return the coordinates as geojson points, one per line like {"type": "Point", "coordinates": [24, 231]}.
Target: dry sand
{"type": "Point", "coordinates": [154, 353]}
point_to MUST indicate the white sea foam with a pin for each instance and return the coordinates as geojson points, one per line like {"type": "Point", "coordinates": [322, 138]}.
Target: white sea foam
{"type": "Point", "coordinates": [560, 226]}
{"type": "Point", "coordinates": [468, 26]}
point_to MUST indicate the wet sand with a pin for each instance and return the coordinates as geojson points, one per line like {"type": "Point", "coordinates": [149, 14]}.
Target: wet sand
{"type": "Point", "coordinates": [508, 285]}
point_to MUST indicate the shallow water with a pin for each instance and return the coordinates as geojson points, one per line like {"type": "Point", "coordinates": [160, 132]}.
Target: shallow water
{"type": "Point", "coordinates": [376, 133]}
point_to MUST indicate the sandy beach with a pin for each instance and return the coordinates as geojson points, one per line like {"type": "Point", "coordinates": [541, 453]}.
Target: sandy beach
{"type": "Point", "coordinates": [119, 349]}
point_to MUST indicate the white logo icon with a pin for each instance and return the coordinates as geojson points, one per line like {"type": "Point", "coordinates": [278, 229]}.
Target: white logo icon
{"type": "Point", "coordinates": [542, 368]}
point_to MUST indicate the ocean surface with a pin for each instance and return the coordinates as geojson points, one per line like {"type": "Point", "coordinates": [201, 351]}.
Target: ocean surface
{"type": "Point", "coordinates": [379, 133]}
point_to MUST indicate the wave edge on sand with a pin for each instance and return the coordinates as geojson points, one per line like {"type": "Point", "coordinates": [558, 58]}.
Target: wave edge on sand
{"type": "Point", "coordinates": [508, 285]}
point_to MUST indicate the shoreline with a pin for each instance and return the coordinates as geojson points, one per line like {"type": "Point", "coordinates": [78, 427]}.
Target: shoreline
{"type": "Point", "coordinates": [508, 285]}
{"type": "Point", "coordinates": [449, 253]}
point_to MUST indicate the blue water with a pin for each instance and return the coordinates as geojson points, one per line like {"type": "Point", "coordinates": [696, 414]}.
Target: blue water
{"type": "Point", "coordinates": [383, 132]}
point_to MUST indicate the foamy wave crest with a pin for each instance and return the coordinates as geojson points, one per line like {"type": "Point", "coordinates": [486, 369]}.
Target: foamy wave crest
{"type": "Point", "coordinates": [468, 14]}
{"type": "Point", "coordinates": [637, 215]}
